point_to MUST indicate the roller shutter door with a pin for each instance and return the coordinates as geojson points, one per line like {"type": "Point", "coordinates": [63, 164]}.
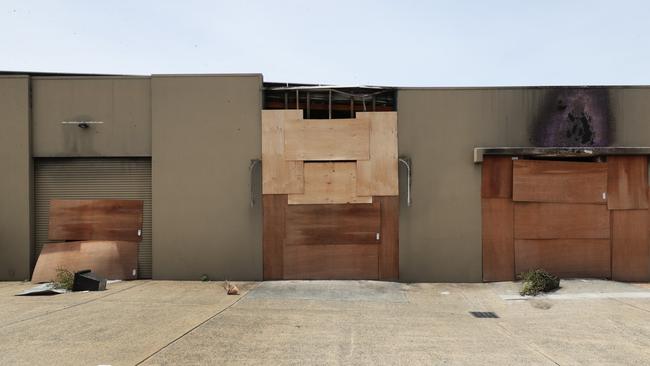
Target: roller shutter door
{"type": "Point", "coordinates": [93, 178]}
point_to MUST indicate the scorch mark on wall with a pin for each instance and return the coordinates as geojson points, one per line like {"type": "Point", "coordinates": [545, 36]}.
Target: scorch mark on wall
{"type": "Point", "coordinates": [574, 117]}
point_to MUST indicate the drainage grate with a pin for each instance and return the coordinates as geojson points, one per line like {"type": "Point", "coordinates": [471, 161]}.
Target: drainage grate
{"type": "Point", "coordinates": [484, 314]}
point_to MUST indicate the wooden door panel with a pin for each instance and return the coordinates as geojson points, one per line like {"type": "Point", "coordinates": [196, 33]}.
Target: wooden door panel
{"type": "Point", "coordinates": [630, 246]}
{"type": "Point", "coordinates": [498, 242]}
{"type": "Point", "coordinates": [379, 175]}
{"type": "Point", "coordinates": [332, 224]}
{"type": "Point", "coordinates": [559, 181]}
{"type": "Point", "coordinates": [561, 221]}
{"type": "Point", "coordinates": [627, 182]}
{"type": "Point", "coordinates": [279, 176]}
{"type": "Point", "coordinates": [333, 262]}
{"type": "Point", "coordinates": [565, 257]}
{"type": "Point", "coordinates": [496, 177]}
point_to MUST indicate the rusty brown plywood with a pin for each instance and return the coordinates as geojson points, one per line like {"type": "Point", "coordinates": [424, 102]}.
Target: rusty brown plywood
{"type": "Point", "coordinates": [496, 177]}
{"type": "Point", "coordinates": [559, 181]}
{"type": "Point", "coordinates": [379, 175]}
{"type": "Point", "coordinates": [95, 220]}
{"type": "Point", "coordinates": [332, 182]}
{"type": "Point", "coordinates": [327, 140]}
{"type": "Point", "coordinates": [279, 176]}
{"type": "Point", "coordinates": [565, 257]}
{"type": "Point", "coordinates": [389, 249]}
{"type": "Point", "coordinates": [332, 224]}
{"type": "Point", "coordinates": [627, 182]}
{"type": "Point", "coordinates": [561, 221]}
{"type": "Point", "coordinates": [630, 245]}
{"type": "Point", "coordinates": [116, 260]}
{"type": "Point", "coordinates": [498, 242]}
{"type": "Point", "coordinates": [332, 262]}
{"type": "Point", "coordinates": [273, 217]}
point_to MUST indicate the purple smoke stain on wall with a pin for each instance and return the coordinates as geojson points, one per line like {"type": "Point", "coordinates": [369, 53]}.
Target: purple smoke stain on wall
{"type": "Point", "coordinates": [574, 117]}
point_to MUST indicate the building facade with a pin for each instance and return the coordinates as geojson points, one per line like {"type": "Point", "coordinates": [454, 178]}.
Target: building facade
{"type": "Point", "coordinates": [186, 145]}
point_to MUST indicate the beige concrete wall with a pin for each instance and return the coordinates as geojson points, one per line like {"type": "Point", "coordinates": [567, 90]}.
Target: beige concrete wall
{"type": "Point", "coordinates": [440, 234]}
{"type": "Point", "coordinates": [205, 131]}
{"type": "Point", "coordinates": [15, 178]}
{"type": "Point", "coordinates": [123, 104]}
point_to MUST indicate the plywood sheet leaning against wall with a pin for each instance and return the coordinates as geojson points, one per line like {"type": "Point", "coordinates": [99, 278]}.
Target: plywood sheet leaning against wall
{"type": "Point", "coordinates": [102, 236]}
{"type": "Point", "coordinates": [379, 175]}
{"type": "Point", "coordinates": [279, 175]}
{"type": "Point", "coordinates": [110, 259]}
{"type": "Point", "coordinates": [333, 182]}
{"type": "Point", "coordinates": [96, 220]}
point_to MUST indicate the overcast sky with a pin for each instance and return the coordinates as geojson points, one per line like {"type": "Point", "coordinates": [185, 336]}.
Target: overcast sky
{"type": "Point", "coordinates": [397, 43]}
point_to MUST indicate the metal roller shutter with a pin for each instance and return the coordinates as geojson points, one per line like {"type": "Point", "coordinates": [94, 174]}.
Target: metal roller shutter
{"type": "Point", "coordinates": [93, 178]}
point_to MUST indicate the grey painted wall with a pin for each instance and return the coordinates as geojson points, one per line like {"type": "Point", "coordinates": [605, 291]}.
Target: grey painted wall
{"type": "Point", "coordinates": [15, 179]}
{"type": "Point", "coordinates": [123, 104]}
{"type": "Point", "coordinates": [440, 234]}
{"type": "Point", "coordinates": [205, 131]}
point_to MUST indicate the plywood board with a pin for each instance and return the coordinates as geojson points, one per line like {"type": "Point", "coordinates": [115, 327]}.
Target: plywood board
{"type": "Point", "coordinates": [567, 258]}
{"type": "Point", "coordinates": [627, 182]}
{"type": "Point", "coordinates": [332, 262]}
{"type": "Point", "coordinates": [331, 139]}
{"type": "Point", "coordinates": [333, 224]}
{"type": "Point", "coordinates": [498, 242]}
{"type": "Point", "coordinates": [273, 222]}
{"type": "Point", "coordinates": [496, 177]}
{"type": "Point", "coordinates": [279, 176]}
{"type": "Point", "coordinates": [559, 181]}
{"type": "Point", "coordinates": [630, 245]}
{"type": "Point", "coordinates": [389, 248]}
{"type": "Point", "coordinates": [379, 175]}
{"type": "Point", "coordinates": [333, 182]}
{"type": "Point", "coordinates": [116, 260]}
{"type": "Point", "coordinates": [561, 221]}
{"type": "Point", "coordinates": [95, 220]}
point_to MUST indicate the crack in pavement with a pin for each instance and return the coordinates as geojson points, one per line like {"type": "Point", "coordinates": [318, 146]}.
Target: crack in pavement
{"type": "Point", "coordinates": [199, 325]}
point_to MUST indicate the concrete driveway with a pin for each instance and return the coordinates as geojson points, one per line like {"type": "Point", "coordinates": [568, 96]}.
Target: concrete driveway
{"type": "Point", "coordinates": [326, 322]}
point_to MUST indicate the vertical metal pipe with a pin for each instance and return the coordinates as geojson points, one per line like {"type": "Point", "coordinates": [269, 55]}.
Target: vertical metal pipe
{"type": "Point", "coordinates": [351, 107]}
{"type": "Point", "coordinates": [308, 106]}
{"type": "Point", "coordinates": [329, 105]}
{"type": "Point", "coordinates": [286, 100]}
{"type": "Point", "coordinates": [297, 99]}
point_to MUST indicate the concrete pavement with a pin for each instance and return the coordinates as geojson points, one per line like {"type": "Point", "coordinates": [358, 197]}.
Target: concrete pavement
{"type": "Point", "coordinates": [326, 322]}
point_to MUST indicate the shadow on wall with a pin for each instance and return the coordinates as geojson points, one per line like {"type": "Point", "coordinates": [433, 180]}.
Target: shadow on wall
{"type": "Point", "coordinates": [574, 117]}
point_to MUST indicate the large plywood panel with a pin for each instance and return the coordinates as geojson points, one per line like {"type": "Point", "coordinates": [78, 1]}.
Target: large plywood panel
{"type": "Point", "coordinates": [559, 181]}
{"type": "Point", "coordinates": [274, 207]}
{"type": "Point", "coordinates": [332, 262]}
{"type": "Point", "coordinates": [333, 224]}
{"type": "Point", "coordinates": [279, 176]}
{"type": "Point", "coordinates": [333, 182]}
{"type": "Point", "coordinates": [96, 220]}
{"type": "Point", "coordinates": [498, 242]}
{"type": "Point", "coordinates": [331, 139]}
{"type": "Point", "coordinates": [496, 177]}
{"type": "Point", "coordinates": [627, 182]}
{"type": "Point", "coordinates": [630, 245]}
{"type": "Point", "coordinates": [565, 257]}
{"type": "Point", "coordinates": [561, 221]}
{"type": "Point", "coordinates": [117, 260]}
{"type": "Point", "coordinates": [378, 176]}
